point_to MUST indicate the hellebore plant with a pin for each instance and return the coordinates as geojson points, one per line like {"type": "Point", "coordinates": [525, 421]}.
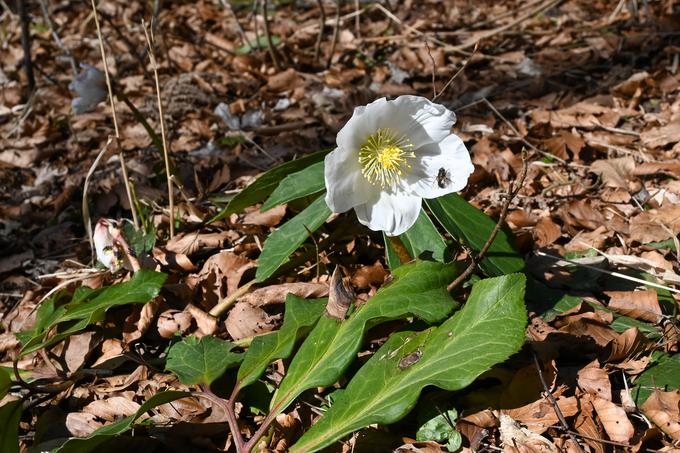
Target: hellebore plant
{"type": "Point", "coordinates": [389, 156]}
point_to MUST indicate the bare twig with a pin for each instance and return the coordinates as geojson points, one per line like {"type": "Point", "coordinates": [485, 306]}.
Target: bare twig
{"type": "Point", "coordinates": [522, 139]}
{"type": "Point", "coordinates": [336, 33]}
{"type": "Point", "coordinates": [357, 20]}
{"type": "Point", "coordinates": [126, 180]}
{"type": "Point", "coordinates": [434, 70]}
{"type": "Point", "coordinates": [512, 193]}
{"type": "Point", "coordinates": [26, 44]}
{"type": "Point", "coordinates": [268, 36]}
{"type": "Point", "coordinates": [242, 34]}
{"type": "Point", "coordinates": [166, 158]}
{"type": "Point", "coordinates": [462, 68]}
{"type": "Point", "coordinates": [553, 401]}
{"type": "Point", "coordinates": [322, 26]}
{"type": "Point", "coordinates": [496, 31]}
{"type": "Point", "coordinates": [85, 207]}
{"type": "Point", "coordinates": [53, 30]}
{"type": "Point", "coordinates": [255, 27]}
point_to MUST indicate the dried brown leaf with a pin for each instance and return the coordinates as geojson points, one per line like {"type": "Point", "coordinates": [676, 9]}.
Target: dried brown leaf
{"type": "Point", "coordinates": [643, 305]}
{"type": "Point", "coordinates": [614, 420]}
{"type": "Point", "coordinates": [663, 408]}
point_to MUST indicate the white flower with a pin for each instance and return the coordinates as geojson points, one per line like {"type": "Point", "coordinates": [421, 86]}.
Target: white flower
{"type": "Point", "coordinates": [107, 246]}
{"type": "Point", "coordinates": [389, 156]}
{"type": "Point", "coordinates": [90, 86]}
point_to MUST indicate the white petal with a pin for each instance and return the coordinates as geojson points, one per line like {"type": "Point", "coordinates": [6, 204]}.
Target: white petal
{"type": "Point", "coordinates": [441, 168]}
{"type": "Point", "coordinates": [346, 187]}
{"type": "Point", "coordinates": [415, 117]}
{"type": "Point", "coordinates": [393, 213]}
{"type": "Point", "coordinates": [421, 120]}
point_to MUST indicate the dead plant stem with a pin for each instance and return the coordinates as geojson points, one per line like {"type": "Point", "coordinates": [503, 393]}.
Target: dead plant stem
{"type": "Point", "coordinates": [336, 33]}
{"type": "Point", "coordinates": [123, 168]}
{"type": "Point", "coordinates": [26, 44]}
{"type": "Point", "coordinates": [268, 37]}
{"type": "Point", "coordinates": [553, 401]}
{"type": "Point", "coordinates": [322, 26]}
{"type": "Point", "coordinates": [512, 193]}
{"type": "Point", "coordinates": [171, 199]}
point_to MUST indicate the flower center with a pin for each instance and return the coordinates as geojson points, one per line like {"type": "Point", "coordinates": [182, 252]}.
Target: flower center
{"type": "Point", "coordinates": [384, 157]}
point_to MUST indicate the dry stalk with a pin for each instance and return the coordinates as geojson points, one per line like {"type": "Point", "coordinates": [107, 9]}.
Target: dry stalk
{"type": "Point", "coordinates": [166, 159]}
{"type": "Point", "coordinates": [268, 36]}
{"type": "Point", "coordinates": [336, 33]}
{"type": "Point", "coordinates": [123, 168]}
{"type": "Point", "coordinates": [26, 44]}
{"type": "Point", "coordinates": [553, 401]}
{"type": "Point", "coordinates": [322, 25]}
{"type": "Point", "coordinates": [513, 190]}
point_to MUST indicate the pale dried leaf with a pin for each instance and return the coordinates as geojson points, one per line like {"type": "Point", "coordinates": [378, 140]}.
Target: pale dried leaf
{"type": "Point", "coordinates": [614, 420]}
{"type": "Point", "coordinates": [663, 408]}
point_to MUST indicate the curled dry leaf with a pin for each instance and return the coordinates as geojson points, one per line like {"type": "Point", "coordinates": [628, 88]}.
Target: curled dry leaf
{"type": "Point", "coordinates": [615, 173]}
{"type": "Point", "coordinates": [614, 420]}
{"type": "Point", "coordinates": [627, 343]}
{"type": "Point", "coordinates": [367, 276]}
{"type": "Point", "coordinates": [207, 324]}
{"type": "Point", "coordinates": [140, 320]}
{"type": "Point", "coordinates": [247, 318]}
{"type": "Point", "coordinates": [82, 424]}
{"type": "Point", "coordinates": [172, 322]}
{"type": "Point", "coordinates": [546, 232]}
{"type": "Point", "coordinates": [221, 275]}
{"type": "Point", "coordinates": [655, 225]}
{"type": "Point", "coordinates": [340, 296]}
{"type": "Point", "coordinates": [595, 380]}
{"type": "Point", "coordinates": [663, 408]}
{"type": "Point", "coordinates": [516, 439]}
{"type": "Point", "coordinates": [586, 425]}
{"type": "Point", "coordinates": [643, 305]}
{"type": "Point", "coordinates": [189, 243]}
{"type": "Point", "coordinates": [540, 415]}
{"type": "Point", "coordinates": [582, 213]}
{"type": "Point", "coordinates": [669, 167]}
{"type": "Point", "coordinates": [269, 218]}
{"type": "Point", "coordinates": [658, 137]}
{"type": "Point", "coordinates": [111, 409]}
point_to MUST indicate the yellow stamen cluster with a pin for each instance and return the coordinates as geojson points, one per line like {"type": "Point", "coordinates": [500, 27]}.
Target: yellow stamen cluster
{"type": "Point", "coordinates": [384, 157]}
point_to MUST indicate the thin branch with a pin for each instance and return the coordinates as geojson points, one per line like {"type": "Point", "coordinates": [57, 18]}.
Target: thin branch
{"type": "Point", "coordinates": [336, 33]}
{"type": "Point", "coordinates": [268, 36]}
{"type": "Point", "coordinates": [126, 180]}
{"type": "Point", "coordinates": [26, 44]}
{"type": "Point", "coordinates": [553, 401]}
{"type": "Point", "coordinates": [242, 34]}
{"type": "Point", "coordinates": [55, 36]}
{"type": "Point", "coordinates": [512, 193]}
{"type": "Point", "coordinates": [166, 158]}
{"type": "Point", "coordinates": [322, 26]}
{"type": "Point", "coordinates": [434, 70]}
{"type": "Point", "coordinates": [522, 139]}
{"type": "Point", "coordinates": [462, 68]}
{"type": "Point", "coordinates": [496, 31]}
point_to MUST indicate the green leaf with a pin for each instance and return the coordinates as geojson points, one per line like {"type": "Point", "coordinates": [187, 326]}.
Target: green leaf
{"type": "Point", "coordinates": [201, 361]}
{"type": "Point", "coordinates": [391, 255]}
{"type": "Point", "coordinates": [141, 241]}
{"type": "Point", "coordinates": [423, 240]}
{"type": "Point", "coordinates": [467, 223]}
{"type": "Point", "coordinates": [488, 330]}
{"type": "Point", "coordinates": [265, 184]}
{"type": "Point", "coordinates": [289, 236]}
{"type": "Point", "coordinates": [89, 306]}
{"type": "Point", "coordinates": [253, 44]}
{"type": "Point", "coordinates": [300, 316]}
{"type": "Point", "coordinates": [105, 433]}
{"type": "Point", "coordinates": [297, 185]}
{"type": "Point", "coordinates": [140, 289]}
{"type": "Point", "coordinates": [418, 289]}
{"type": "Point", "coordinates": [441, 428]}
{"type": "Point", "coordinates": [664, 374]}
{"type": "Point", "coordinates": [10, 414]}
{"type": "Point", "coordinates": [5, 383]}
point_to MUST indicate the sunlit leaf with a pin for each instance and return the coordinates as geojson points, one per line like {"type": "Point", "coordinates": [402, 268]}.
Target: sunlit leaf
{"type": "Point", "coordinates": [201, 361]}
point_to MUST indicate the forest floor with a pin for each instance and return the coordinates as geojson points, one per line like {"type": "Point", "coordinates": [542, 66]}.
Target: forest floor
{"type": "Point", "coordinates": [588, 89]}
